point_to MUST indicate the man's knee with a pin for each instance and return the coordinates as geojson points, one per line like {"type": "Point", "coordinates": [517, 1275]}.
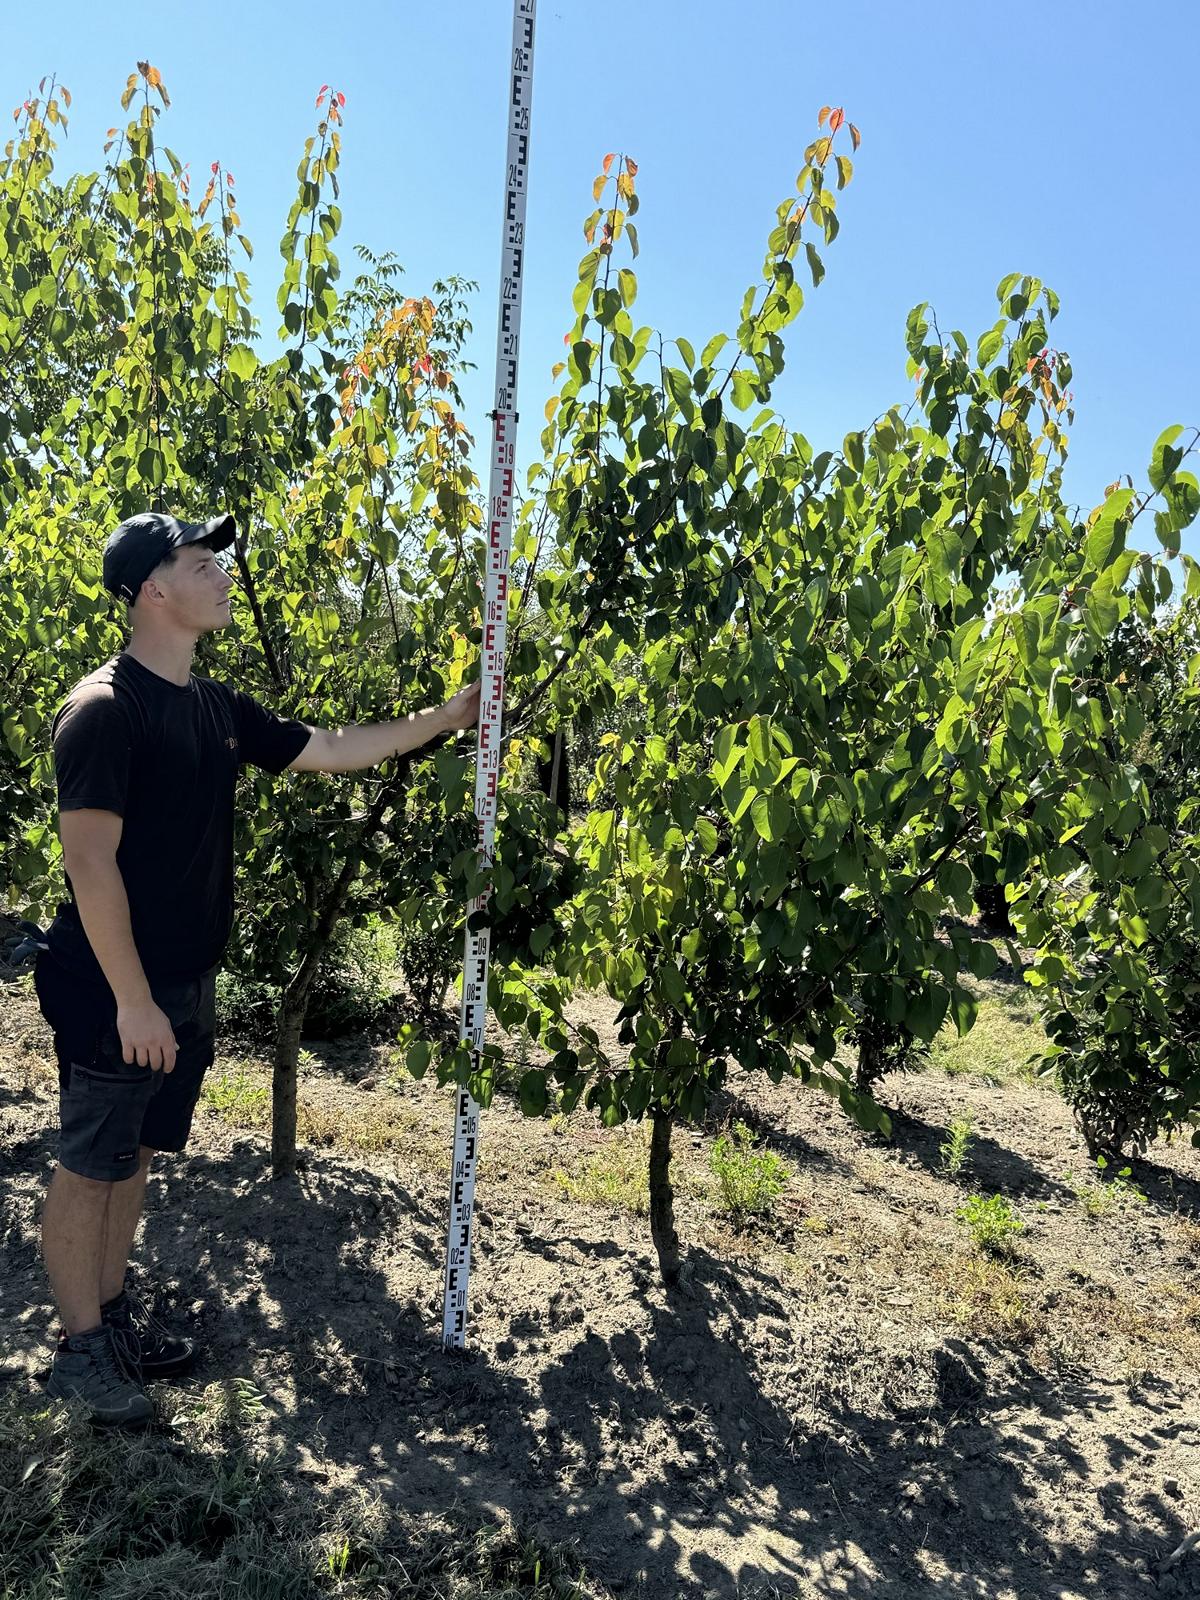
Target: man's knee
{"type": "Point", "coordinates": [74, 1186]}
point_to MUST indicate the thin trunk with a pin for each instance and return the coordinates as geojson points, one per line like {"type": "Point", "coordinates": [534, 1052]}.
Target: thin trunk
{"type": "Point", "coordinates": [662, 1199]}
{"type": "Point", "coordinates": [288, 1026]}
{"type": "Point", "coordinates": [555, 764]}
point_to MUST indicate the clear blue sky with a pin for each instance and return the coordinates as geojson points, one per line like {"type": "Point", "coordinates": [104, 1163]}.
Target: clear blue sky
{"type": "Point", "coordinates": [1061, 140]}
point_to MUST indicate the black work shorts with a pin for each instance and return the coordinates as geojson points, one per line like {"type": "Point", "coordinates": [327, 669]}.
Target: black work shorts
{"type": "Point", "coordinates": [107, 1108]}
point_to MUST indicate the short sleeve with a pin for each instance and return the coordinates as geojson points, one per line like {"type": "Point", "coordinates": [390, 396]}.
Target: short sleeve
{"type": "Point", "coordinates": [264, 739]}
{"type": "Point", "coordinates": [93, 749]}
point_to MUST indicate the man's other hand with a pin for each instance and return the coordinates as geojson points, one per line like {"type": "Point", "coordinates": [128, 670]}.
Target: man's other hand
{"type": "Point", "coordinates": [147, 1038]}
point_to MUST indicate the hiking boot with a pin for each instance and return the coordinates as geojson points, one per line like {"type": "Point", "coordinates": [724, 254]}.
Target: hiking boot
{"type": "Point", "coordinates": [162, 1354]}
{"type": "Point", "coordinates": [100, 1368]}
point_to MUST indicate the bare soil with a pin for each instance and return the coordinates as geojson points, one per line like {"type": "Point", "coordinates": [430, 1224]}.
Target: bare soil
{"type": "Point", "coordinates": [847, 1399]}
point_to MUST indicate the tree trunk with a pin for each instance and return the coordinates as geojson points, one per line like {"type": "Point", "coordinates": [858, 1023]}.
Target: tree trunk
{"type": "Point", "coordinates": [289, 1021]}
{"type": "Point", "coordinates": [662, 1199]}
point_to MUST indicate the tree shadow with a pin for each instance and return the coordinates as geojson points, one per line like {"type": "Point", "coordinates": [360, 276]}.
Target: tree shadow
{"type": "Point", "coordinates": [994, 1165]}
{"type": "Point", "coordinates": [728, 1106]}
{"type": "Point", "coordinates": [736, 1488]}
{"type": "Point", "coordinates": [717, 1442]}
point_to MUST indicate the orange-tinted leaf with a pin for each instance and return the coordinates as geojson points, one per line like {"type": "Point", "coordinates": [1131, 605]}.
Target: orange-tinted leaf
{"type": "Point", "coordinates": [66, 94]}
{"type": "Point", "coordinates": [154, 78]}
{"type": "Point", "coordinates": [821, 115]}
{"type": "Point", "coordinates": [855, 136]}
{"type": "Point", "coordinates": [631, 167]}
{"type": "Point", "coordinates": [836, 118]}
{"type": "Point", "coordinates": [608, 160]}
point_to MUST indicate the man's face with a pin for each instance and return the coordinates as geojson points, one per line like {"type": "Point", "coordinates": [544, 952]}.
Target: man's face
{"type": "Point", "coordinates": [194, 590]}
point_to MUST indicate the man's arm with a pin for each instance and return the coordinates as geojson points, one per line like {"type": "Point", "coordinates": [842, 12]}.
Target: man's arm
{"type": "Point", "coordinates": [89, 840]}
{"type": "Point", "coordinates": [349, 749]}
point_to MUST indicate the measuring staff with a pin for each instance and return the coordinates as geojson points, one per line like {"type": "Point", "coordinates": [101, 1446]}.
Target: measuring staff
{"type": "Point", "coordinates": [495, 628]}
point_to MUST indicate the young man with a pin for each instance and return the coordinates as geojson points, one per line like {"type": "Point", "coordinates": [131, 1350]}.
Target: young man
{"type": "Point", "coordinates": [146, 759]}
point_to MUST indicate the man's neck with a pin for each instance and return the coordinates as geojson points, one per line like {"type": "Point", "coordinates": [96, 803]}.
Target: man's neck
{"type": "Point", "coordinates": [170, 658]}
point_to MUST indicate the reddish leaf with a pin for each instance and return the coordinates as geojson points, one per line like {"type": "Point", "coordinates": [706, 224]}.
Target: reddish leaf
{"type": "Point", "coordinates": [341, 99]}
{"type": "Point", "coordinates": [631, 167]}
{"type": "Point", "coordinates": [855, 136]}
{"type": "Point", "coordinates": [836, 118]}
{"type": "Point", "coordinates": [609, 159]}
{"type": "Point", "coordinates": [215, 164]}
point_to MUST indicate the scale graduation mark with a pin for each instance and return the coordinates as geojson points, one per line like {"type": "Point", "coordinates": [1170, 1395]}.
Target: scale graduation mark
{"type": "Point", "coordinates": [495, 628]}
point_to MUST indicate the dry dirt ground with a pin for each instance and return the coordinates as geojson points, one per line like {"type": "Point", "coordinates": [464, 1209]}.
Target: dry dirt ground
{"type": "Point", "coordinates": [850, 1399]}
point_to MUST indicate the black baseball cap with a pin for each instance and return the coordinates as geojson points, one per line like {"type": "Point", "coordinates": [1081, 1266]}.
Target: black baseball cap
{"type": "Point", "coordinates": [140, 543]}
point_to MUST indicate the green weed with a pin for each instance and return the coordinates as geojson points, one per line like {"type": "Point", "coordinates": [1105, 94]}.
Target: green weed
{"type": "Point", "coordinates": [991, 1222]}
{"type": "Point", "coordinates": [1099, 1198]}
{"type": "Point", "coordinates": [955, 1146]}
{"type": "Point", "coordinates": [750, 1180]}
{"type": "Point", "coordinates": [238, 1098]}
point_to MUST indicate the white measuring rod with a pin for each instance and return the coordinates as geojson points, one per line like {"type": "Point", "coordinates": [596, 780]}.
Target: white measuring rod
{"type": "Point", "coordinates": [495, 629]}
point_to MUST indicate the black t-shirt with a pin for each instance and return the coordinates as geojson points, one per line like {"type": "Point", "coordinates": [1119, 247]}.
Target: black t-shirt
{"type": "Point", "coordinates": [165, 759]}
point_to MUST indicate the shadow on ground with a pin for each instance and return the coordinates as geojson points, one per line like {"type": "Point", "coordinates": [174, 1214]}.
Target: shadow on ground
{"type": "Point", "coordinates": [711, 1443]}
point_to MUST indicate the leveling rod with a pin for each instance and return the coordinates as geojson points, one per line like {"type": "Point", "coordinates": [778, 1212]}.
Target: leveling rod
{"type": "Point", "coordinates": [478, 941]}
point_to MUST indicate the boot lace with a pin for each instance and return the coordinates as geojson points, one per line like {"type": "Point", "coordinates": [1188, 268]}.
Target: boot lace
{"type": "Point", "coordinates": [144, 1321]}
{"type": "Point", "coordinates": [117, 1358]}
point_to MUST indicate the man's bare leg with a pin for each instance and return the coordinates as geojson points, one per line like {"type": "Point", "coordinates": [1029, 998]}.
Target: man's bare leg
{"type": "Point", "coordinates": [73, 1225]}
{"type": "Point", "coordinates": [124, 1211]}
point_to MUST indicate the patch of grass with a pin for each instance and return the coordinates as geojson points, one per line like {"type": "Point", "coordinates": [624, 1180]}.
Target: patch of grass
{"type": "Point", "coordinates": [1101, 1197]}
{"type": "Point", "coordinates": [999, 1048]}
{"type": "Point", "coordinates": [987, 1298]}
{"type": "Point", "coordinates": [241, 1100]}
{"type": "Point", "coordinates": [749, 1180]}
{"type": "Point", "coordinates": [375, 1125]}
{"type": "Point", "coordinates": [206, 1513]}
{"type": "Point", "coordinates": [991, 1221]}
{"type": "Point", "coordinates": [617, 1176]}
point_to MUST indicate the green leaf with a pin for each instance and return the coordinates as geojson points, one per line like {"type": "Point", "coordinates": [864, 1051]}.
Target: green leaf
{"type": "Point", "coordinates": [418, 1058]}
{"type": "Point", "coordinates": [989, 345]}
{"type": "Point", "coordinates": [627, 284]}
{"type": "Point", "coordinates": [533, 1093]}
{"type": "Point", "coordinates": [743, 391]}
{"type": "Point", "coordinates": [1106, 539]}
{"type": "Point", "coordinates": [926, 1011]}
{"type": "Point", "coordinates": [706, 833]}
{"type": "Point", "coordinates": [713, 349]}
{"type": "Point", "coordinates": [965, 1008]}
{"type": "Point", "coordinates": [1165, 458]}
{"type": "Point", "coordinates": [242, 362]}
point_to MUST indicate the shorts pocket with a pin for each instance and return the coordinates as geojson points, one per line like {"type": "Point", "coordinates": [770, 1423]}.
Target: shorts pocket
{"type": "Point", "coordinates": [101, 1115]}
{"type": "Point", "coordinates": [103, 1076]}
